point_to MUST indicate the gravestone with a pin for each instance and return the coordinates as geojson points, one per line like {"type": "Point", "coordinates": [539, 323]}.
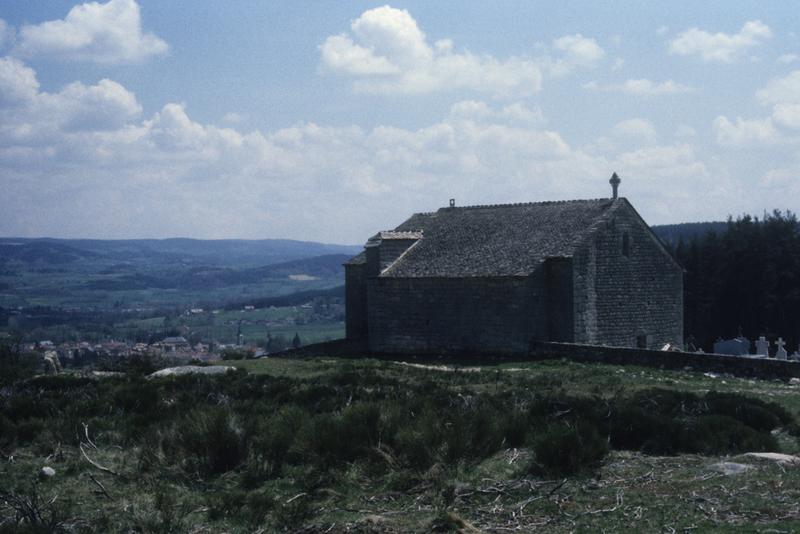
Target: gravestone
{"type": "Point", "coordinates": [781, 352]}
{"type": "Point", "coordinates": [738, 346]}
{"type": "Point", "coordinates": [762, 347]}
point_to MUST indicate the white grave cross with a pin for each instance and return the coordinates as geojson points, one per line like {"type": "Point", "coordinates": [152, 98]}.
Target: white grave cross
{"type": "Point", "coordinates": [781, 352]}
{"type": "Point", "coordinates": [762, 346]}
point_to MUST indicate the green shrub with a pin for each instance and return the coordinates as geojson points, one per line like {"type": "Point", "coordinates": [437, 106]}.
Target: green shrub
{"type": "Point", "coordinates": [216, 439]}
{"type": "Point", "coordinates": [26, 510]}
{"type": "Point", "coordinates": [563, 450]}
{"type": "Point", "coordinates": [755, 413]}
{"type": "Point", "coordinates": [230, 354]}
{"type": "Point", "coordinates": [136, 364]}
{"type": "Point", "coordinates": [29, 429]}
{"type": "Point", "coordinates": [8, 431]}
{"type": "Point", "coordinates": [515, 427]}
{"type": "Point", "coordinates": [170, 513]}
{"type": "Point", "coordinates": [659, 421]}
{"type": "Point", "coordinates": [222, 504]}
{"type": "Point", "coordinates": [16, 365]}
{"type": "Point", "coordinates": [258, 505]}
{"type": "Point", "coordinates": [272, 441]}
{"type": "Point", "coordinates": [633, 428]}
{"type": "Point", "coordinates": [329, 439]}
{"type": "Point", "coordinates": [720, 434]}
{"type": "Point", "coordinates": [291, 515]}
{"type": "Point", "coordinates": [419, 440]}
{"type": "Point", "coordinates": [360, 430]}
{"type": "Point", "coordinates": [668, 402]}
{"type": "Point", "coordinates": [487, 431]}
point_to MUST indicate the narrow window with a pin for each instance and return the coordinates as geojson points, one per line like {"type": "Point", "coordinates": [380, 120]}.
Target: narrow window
{"type": "Point", "coordinates": [626, 244]}
{"type": "Point", "coordinates": [641, 342]}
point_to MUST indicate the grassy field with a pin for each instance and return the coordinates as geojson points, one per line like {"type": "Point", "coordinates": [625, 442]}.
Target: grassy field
{"type": "Point", "coordinates": [330, 445]}
{"type": "Point", "coordinates": [254, 325]}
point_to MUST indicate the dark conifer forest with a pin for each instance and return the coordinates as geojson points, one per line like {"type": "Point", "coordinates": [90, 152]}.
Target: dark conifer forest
{"type": "Point", "coordinates": [744, 278]}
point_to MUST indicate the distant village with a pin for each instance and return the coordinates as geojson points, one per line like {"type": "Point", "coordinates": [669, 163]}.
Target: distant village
{"type": "Point", "coordinates": [176, 348]}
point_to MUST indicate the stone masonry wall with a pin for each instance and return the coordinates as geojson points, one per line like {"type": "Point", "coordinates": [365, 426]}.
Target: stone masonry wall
{"type": "Point", "coordinates": [687, 361]}
{"type": "Point", "coordinates": [391, 249]}
{"type": "Point", "coordinates": [446, 315]}
{"type": "Point", "coordinates": [627, 294]}
{"type": "Point", "coordinates": [355, 301]}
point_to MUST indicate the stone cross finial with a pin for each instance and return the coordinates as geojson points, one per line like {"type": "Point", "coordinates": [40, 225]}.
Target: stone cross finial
{"type": "Point", "coordinates": [614, 181]}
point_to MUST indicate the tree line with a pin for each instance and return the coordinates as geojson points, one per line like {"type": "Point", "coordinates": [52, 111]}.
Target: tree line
{"type": "Point", "coordinates": [744, 279]}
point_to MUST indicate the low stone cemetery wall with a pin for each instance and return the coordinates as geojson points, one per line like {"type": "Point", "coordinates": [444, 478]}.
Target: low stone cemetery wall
{"type": "Point", "coordinates": [718, 363]}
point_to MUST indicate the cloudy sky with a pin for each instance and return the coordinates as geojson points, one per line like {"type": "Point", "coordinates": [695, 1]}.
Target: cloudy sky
{"type": "Point", "coordinates": [330, 121]}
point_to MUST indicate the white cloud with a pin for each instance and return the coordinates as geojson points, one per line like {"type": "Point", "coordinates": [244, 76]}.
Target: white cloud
{"type": "Point", "coordinates": [170, 174]}
{"type": "Point", "coordinates": [104, 106]}
{"type": "Point", "coordinates": [787, 115]}
{"type": "Point", "coordinates": [788, 58]}
{"type": "Point", "coordinates": [618, 64]}
{"type": "Point", "coordinates": [233, 118]}
{"type": "Point", "coordinates": [637, 129]}
{"type": "Point", "coordinates": [783, 94]}
{"type": "Point", "coordinates": [518, 113]}
{"type": "Point", "coordinates": [656, 163]}
{"type": "Point", "coordinates": [744, 132]}
{"type": "Point", "coordinates": [722, 47]}
{"type": "Point", "coordinates": [101, 33]}
{"type": "Point", "coordinates": [340, 53]}
{"type": "Point", "coordinates": [27, 113]}
{"type": "Point", "coordinates": [642, 87]}
{"type": "Point", "coordinates": [685, 131]}
{"type": "Point", "coordinates": [662, 30]}
{"type": "Point", "coordinates": [781, 90]}
{"type": "Point", "coordinates": [6, 34]}
{"type": "Point", "coordinates": [574, 51]}
{"type": "Point", "coordinates": [386, 52]}
{"type": "Point", "coordinates": [393, 33]}
{"type": "Point", "coordinates": [18, 82]}
{"type": "Point", "coordinates": [625, 135]}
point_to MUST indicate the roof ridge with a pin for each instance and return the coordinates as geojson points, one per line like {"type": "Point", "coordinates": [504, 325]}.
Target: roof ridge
{"type": "Point", "coordinates": [519, 204]}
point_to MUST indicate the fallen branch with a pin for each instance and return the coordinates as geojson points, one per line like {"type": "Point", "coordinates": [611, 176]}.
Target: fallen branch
{"type": "Point", "coordinates": [99, 485]}
{"type": "Point", "coordinates": [526, 502]}
{"type": "Point", "coordinates": [88, 439]}
{"type": "Point", "coordinates": [608, 510]}
{"type": "Point", "coordinates": [558, 487]}
{"type": "Point", "coordinates": [295, 497]}
{"type": "Point", "coordinates": [57, 454]}
{"type": "Point", "coordinates": [100, 467]}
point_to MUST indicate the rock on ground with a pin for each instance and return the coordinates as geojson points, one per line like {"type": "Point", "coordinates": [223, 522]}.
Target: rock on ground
{"type": "Point", "coordinates": [730, 468]}
{"type": "Point", "coordinates": [783, 459]}
{"type": "Point", "coordinates": [46, 472]}
{"type": "Point", "coordinates": [192, 370]}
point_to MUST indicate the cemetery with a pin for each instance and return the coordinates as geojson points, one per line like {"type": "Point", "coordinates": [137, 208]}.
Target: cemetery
{"type": "Point", "coordinates": [741, 346]}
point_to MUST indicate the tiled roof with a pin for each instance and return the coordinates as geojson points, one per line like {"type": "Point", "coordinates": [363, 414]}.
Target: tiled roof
{"type": "Point", "coordinates": [390, 235]}
{"type": "Point", "coordinates": [494, 240]}
{"type": "Point", "coordinates": [358, 259]}
{"type": "Point", "coordinates": [393, 234]}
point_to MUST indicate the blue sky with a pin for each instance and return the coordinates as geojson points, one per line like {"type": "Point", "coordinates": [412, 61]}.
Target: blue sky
{"type": "Point", "coordinates": [332, 120]}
